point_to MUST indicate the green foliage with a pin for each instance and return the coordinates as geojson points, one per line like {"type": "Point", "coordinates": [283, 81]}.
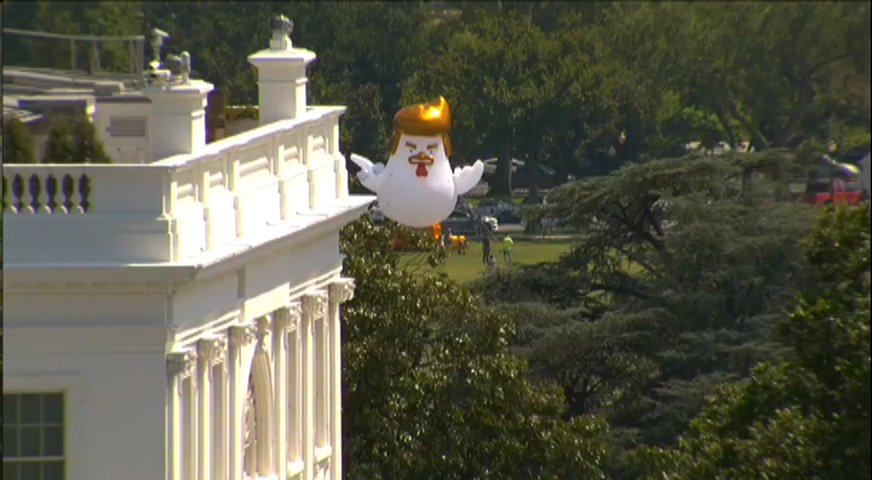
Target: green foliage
{"type": "Point", "coordinates": [17, 143]}
{"type": "Point", "coordinates": [548, 82]}
{"type": "Point", "coordinates": [704, 52]}
{"type": "Point", "coordinates": [681, 272]}
{"type": "Point", "coordinates": [73, 140]}
{"type": "Point", "coordinates": [431, 390]}
{"type": "Point", "coordinates": [92, 18]}
{"type": "Point", "coordinates": [59, 147]}
{"type": "Point", "coordinates": [806, 414]}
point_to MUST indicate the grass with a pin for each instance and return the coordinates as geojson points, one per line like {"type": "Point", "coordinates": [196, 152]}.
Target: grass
{"type": "Point", "coordinates": [464, 268]}
{"type": "Point", "coordinates": [516, 199]}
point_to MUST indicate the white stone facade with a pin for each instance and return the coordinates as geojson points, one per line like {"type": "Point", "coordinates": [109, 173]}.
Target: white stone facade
{"type": "Point", "coordinates": [186, 309]}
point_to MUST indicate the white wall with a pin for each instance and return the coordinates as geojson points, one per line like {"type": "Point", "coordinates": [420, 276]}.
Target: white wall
{"type": "Point", "coordinates": [123, 149]}
{"type": "Point", "coordinates": [114, 418]}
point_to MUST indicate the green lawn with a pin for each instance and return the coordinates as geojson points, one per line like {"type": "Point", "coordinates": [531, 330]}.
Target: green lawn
{"type": "Point", "coordinates": [463, 268]}
{"type": "Point", "coordinates": [516, 199]}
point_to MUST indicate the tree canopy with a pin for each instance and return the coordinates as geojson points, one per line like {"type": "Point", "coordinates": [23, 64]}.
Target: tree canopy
{"type": "Point", "coordinates": [583, 88]}
{"type": "Point", "coordinates": [806, 413]}
{"type": "Point", "coordinates": [430, 387]}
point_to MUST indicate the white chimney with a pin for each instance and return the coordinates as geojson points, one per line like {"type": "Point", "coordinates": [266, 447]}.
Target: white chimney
{"type": "Point", "coordinates": [177, 124]}
{"type": "Point", "coordinates": [281, 75]}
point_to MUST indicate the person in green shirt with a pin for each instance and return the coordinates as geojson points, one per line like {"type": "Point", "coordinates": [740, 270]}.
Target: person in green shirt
{"type": "Point", "coordinates": [508, 243]}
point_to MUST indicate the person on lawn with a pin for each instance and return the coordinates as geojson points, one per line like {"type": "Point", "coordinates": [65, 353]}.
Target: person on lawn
{"type": "Point", "coordinates": [508, 243]}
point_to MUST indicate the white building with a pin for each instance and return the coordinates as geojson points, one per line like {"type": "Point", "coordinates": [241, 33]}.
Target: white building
{"type": "Point", "coordinates": [178, 318]}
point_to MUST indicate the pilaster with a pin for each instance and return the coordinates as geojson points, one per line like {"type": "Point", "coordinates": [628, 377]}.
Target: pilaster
{"type": "Point", "coordinates": [340, 292]}
{"type": "Point", "coordinates": [313, 311]}
{"type": "Point", "coordinates": [209, 353]}
{"type": "Point", "coordinates": [180, 366]}
{"type": "Point", "coordinates": [242, 343]}
{"type": "Point", "coordinates": [296, 457]}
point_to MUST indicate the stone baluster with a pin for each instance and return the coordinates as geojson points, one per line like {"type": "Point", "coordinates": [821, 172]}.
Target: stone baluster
{"type": "Point", "coordinates": [84, 193]}
{"type": "Point", "coordinates": [51, 190]}
{"type": "Point", "coordinates": [8, 204]}
{"type": "Point", "coordinates": [32, 203]}
{"type": "Point", "coordinates": [42, 202]}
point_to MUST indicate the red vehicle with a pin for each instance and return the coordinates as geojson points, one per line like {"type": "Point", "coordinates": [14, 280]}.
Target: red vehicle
{"type": "Point", "coordinates": [834, 183]}
{"type": "Point", "coordinates": [837, 192]}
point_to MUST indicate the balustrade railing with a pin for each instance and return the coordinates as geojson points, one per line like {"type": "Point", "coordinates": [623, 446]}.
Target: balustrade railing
{"type": "Point", "coordinates": [48, 194]}
{"type": "Point", "coordinates": [230, 190]}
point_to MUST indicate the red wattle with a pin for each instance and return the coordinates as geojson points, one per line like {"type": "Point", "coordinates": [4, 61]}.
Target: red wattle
{"type": "Point", "coordinates": [421, 171]}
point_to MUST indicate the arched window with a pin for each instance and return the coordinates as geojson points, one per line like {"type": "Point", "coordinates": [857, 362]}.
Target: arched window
{"type": "Point", "coordinates": [258, 442]}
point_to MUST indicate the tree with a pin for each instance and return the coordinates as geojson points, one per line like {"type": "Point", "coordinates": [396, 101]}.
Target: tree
{"type": "Point", "coordinates": [805, 414]}
{"type": "Point", "coordinates": [17, 143]}
{"type": "Point", "coordinates": [430, 388]}
{"type": "Point", "coordinates": [490, 74]}
{"type": "Point", "coordinates": [87, 147]}
{"type": "Point", "coordinates": [767, 68]}
{"type": "Point", "coordinates": [60, 144]}
{"type": "Point", "coordinates": [679, 274]}
{"type": "Point", "coordinates": [73, 140]}
{"type": "Point", "coordinates": [92, 18]}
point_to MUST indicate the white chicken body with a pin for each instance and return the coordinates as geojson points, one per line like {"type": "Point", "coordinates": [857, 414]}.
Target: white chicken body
{"type": "Point", "coordinates": [412, 199]}
{"type": "Point", "coordinates": [417, 187]}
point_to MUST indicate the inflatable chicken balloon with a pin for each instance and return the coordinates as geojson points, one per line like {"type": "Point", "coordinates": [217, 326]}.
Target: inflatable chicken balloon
{"type": "Point", "coordinates": [417, 187]}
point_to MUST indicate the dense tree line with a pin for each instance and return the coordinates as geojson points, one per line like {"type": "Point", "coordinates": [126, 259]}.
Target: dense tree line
{"type": "Point", "coordinates": [581, 87]}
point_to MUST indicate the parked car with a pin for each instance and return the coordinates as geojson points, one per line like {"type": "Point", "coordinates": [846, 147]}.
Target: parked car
{"type": "Point", "coordinates": [463, 223]}
{"type": "Point", "coordinates": [504, 212]}
{"type": "Point", "coordinates": [492, 207]}
{"type": "Point", "coordinates": [509, 216]}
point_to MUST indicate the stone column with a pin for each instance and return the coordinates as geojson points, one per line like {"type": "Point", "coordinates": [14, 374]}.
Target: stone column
{"type": "Point", "coordinates": [340, 292]}
{"type": "Point", "coordinates": [209, 353]}
{"type": "Point", "coordinates": [177, 124]}
{"type": "Point", "coordinates": [242, 344]}
{"type": "Point", "coordinates": [180, 365]}
{"type": "Point", "coordinates": [313, 308]}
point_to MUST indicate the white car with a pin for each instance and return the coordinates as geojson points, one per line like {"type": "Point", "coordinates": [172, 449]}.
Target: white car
{"type": "Point", "coordinates": [491, 222]}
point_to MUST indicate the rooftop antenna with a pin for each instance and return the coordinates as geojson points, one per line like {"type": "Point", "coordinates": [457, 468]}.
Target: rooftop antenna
{"type": "Point", "coordinates": [157, 39]}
